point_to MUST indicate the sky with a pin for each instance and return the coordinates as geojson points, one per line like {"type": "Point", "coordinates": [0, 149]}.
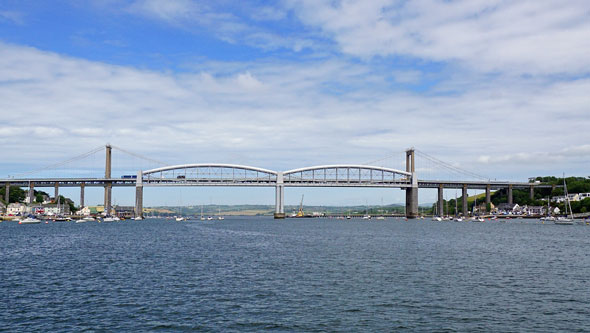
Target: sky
{"type": "Point", "coordinates": [500, 88]}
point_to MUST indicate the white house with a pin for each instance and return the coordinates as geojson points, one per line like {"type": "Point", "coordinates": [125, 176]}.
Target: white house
{"type": "Point", "coordinates": [16, 208]}
{"type": "Point", "coordinates": [54, 209]}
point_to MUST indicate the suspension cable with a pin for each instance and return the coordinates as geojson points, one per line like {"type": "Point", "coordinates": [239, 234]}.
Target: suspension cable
{"type": "Point", "coordinates": [62, 163]}
{"type": "Point", "coordinates": [449, 166]}
{"type": "Point", "coordinates": [140, 156]}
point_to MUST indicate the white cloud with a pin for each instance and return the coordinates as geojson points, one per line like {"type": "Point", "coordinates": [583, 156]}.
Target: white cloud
{"type": "Point", "coordinates": [280, 115]}
{"type": "Point", "coordinates": [12, 17]}
{"type": "Point", "coordinates": [167, 10]}
{"type": "Point", "coordinates": [531, 36]}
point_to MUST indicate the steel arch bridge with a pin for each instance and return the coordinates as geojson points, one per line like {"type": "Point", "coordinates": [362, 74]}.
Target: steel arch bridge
{"type": "Point", "coordinates": [218, 174]}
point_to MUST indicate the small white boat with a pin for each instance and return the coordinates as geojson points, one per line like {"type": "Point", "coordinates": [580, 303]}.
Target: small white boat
{"type": "Point", "coordinates": [108, 219]}
{"type": "Point", "coordinates": [180, 219]}
{"type": "Point", "coordinates": [366, 217]}
{"type": "Point", "coordinates": [138, 218]}
{"type": "Point", "coordinates": [437, 218]}
{"type": "Point", "coordinates": [209, 218]}
{"type": "Point", "coordinates": [563, 221]}
{"type": "Point", "coordinates": [380, 217]}
{"type": "Point", "coordinates": [29, 220]}
{"type": "Point", "coordinates": [221, 218]}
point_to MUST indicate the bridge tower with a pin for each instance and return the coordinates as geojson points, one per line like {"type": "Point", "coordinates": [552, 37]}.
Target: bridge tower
{"type": "Point", "coordinates": [108, 185]}
{"type": "Point", "coordinates": [139, 195]}
{"type": "Point", "coordinates": [412, 191]}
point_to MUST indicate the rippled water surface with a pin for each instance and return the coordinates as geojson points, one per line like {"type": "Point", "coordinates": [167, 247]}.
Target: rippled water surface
{"type": "Point", "coordinates": [259, 274]}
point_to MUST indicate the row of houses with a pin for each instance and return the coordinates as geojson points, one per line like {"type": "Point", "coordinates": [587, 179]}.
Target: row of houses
{"type": "Point", "coordinates": [515, 209]}
{"type": "Point", "coordinates": [16, 209]}
{"type": "Point", "coordinates": [21, 209]}
{"type": "Point", "coordinates": [572, 197]}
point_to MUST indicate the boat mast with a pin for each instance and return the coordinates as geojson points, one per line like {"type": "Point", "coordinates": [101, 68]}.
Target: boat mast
{"type": "Point", "coordinates": [567, 198]}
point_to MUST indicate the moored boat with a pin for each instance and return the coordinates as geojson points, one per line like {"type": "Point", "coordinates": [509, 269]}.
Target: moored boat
{"type": "Point", "coordinates": [29, 220]}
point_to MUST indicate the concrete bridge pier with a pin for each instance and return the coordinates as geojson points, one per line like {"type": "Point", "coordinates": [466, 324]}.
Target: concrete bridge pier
{"type": "Point", "coordinates": [139, 195]}
{"type": "Point", "coordinates": [465, 206]}
{"type": "Point", "coordinates": [412, 191]}
{"type": "Point", "coordinates": [280, 197]}
{"type": "Point", "coordinates": [82, 185]}
{"type": "Point", "coordinates": [488, 197]}
{"type": "Point", "coordinates": [7, 193]}
{"type": "Point", "coordinates": [441, 201]}
{"type": "Point", "coordinates": [56, 191]}
{"type": "Point", "coordinates": [31, 192]}
{"type": "Point", "coordinates": [532, 192]}
{"type": "Point", "coordinates": [510, 198]}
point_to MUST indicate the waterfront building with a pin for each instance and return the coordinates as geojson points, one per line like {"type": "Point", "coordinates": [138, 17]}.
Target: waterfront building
{"type": "Point", "coordinates": [91, 210]}
{"type": "Point", "coordinates": [16, 208]}
{"type": "Point", "coordinates": [54, 209]}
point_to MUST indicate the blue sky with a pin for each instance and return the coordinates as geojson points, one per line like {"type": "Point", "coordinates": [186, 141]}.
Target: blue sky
{"type": "Point", "coordinates": [496, 87]}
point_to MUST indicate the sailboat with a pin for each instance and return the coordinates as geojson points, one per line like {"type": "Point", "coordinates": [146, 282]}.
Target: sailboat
{"type": "Point", "coordinates": [219, 217]}
{"type": "Point", "coordinates": [202, 217]}
{"type": "Point", "coordinates": [457, 217]}
{"type": "Point", "coordinates": [567, 219]}
{"type": "Point", "coordinates": [476, 218]}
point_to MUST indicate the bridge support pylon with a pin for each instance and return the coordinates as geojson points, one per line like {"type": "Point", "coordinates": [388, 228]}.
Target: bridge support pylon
{"type": "Point", "coordinates": [31, 192]}
{"type": "Point", "coordinates": [82, 185]}
{"type": "Point", "coordinates": [510, 197]}
{"type": "Point", "coordinates": [441, 201]}
{"type": "Point", "coordinates": [280, 197]}
{"type": "Point", "coordinates": [108, 186]}
{"type": "Point", "coordinates": [488, 197]}
{"type": "Point", "coordinates": [465, 206]}
{"type": "Point", "coordinates": [139, 195]}
{"type": "Point", "coordinates": [7, 193]}
{"type": "Point", "coordinates": [412, 191]}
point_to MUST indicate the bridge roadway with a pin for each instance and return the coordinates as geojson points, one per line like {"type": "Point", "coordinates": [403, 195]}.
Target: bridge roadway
{"type": "Point", "coordinates": [218, 174]}
{"type": "Point", "coordinates": [266, 181]}
{"type": "Point", "coordinates": [100, 182]}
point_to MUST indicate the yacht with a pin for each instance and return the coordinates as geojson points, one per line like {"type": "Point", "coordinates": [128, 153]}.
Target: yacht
{"type": "Point", "coordinates": [567, 219]}
{"type": "Point", "coordinates": [29, 220]}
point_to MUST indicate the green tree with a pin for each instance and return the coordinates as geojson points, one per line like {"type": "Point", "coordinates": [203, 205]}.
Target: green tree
{"type": "Point", "coordinates": [16, 194]}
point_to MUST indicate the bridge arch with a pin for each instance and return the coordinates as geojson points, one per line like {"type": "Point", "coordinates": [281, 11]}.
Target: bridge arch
{"type": "Point", "coordinates": [349, 175]}
{"type": "Point", "coordinates": [210, 174]}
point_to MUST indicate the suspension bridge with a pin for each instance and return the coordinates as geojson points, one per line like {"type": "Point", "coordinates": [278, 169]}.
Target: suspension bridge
{"type": "Point", "coordinates": [218, 174]}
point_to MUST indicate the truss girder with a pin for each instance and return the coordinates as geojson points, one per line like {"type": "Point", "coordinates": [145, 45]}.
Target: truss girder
{"type": "Point", "coordinates": [210, 175]}
{"type": "Point", "coordinates": [347, 176]}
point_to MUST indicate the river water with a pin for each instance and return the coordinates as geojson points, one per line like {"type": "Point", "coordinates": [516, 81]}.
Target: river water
{"type": "Point", "coordinates": [306, 275]}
